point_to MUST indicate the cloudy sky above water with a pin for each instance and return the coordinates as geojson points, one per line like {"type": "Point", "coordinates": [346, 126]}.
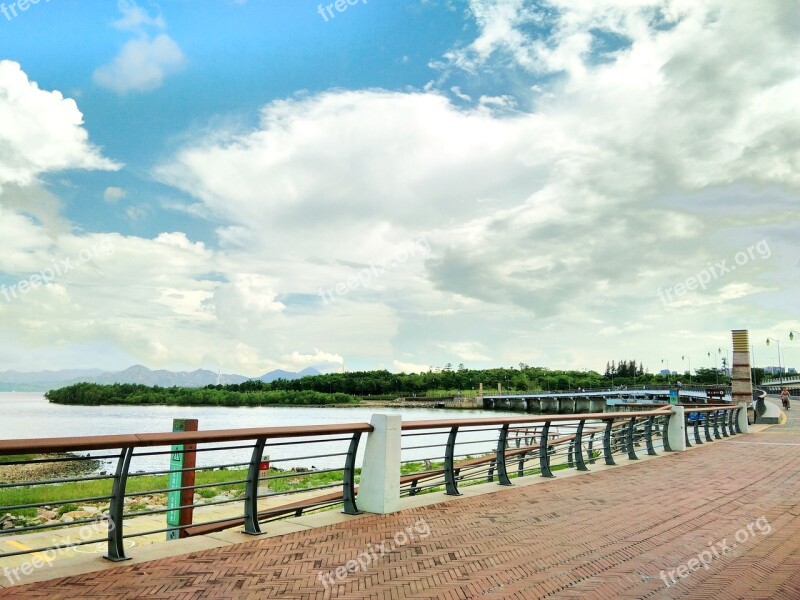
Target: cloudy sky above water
{"type": "Point", "coordinates": [249, 185]}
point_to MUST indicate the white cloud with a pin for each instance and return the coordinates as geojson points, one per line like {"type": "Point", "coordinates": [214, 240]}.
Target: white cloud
{"type": "Point", "coordinates": [134, 17]}
{"type": "Point", "coordinates": [550, 221]}
{"type": "Point", "coordinates": [551, 228]}
{"type": "Point", "coordinates": [42, 131]}
{"type": "Point", "coordinates": [114, 194]}
{"type": "Point", "coordinates": [320, 360]}
{"type": "Point", "coordinates": [406, 367]}
{"type": "Point", "coordinates": [142, 65]}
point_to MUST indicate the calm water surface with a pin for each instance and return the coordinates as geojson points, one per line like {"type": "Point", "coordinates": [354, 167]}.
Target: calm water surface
{"type": "Point", "coordinates": [30, 415]}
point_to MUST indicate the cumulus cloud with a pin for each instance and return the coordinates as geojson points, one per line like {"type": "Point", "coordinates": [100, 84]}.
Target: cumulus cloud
{"type": "Point", "coordinates": [573, 212]}
{"type": "Point", "coordinates": [142, 65]}
{"type": "Point", "coordinates": [144, 62]}
{"type": "Point", "coordinates": [134, 17]}
{"type": "Point", "coordinates": [42, 131]}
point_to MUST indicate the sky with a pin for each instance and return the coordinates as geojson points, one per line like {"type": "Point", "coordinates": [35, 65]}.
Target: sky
{"type": "Point", "coordinates": [250, 185]}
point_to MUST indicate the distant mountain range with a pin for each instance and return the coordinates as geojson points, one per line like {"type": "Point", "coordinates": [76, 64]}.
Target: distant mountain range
{"type": "Point", "coordinates": [40, 381]}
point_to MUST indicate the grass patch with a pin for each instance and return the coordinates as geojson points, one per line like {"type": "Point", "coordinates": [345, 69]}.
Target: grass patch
{"type": "Point", "coordinates": [67, 492]}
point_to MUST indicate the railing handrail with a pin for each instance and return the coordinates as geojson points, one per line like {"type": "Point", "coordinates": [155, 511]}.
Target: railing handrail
{"type": "Point", "coordinates": [108, 442]}
{"type": "Point", "coordinates": [444, 423]}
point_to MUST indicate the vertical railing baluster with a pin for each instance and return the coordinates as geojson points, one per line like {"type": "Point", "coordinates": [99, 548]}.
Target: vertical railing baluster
{"type": "Point", "coordinates": [629, 440]}
{"type": "Point", "coordinates": [502, 441]}
{"type": "Point", "coordinates": [715, 424]}
{"type": "Point", "coordinates": [696, 428]}
{"type": "Point", "coordinates": [349, 482]}
{"type": "Point", "coordinates": [116, 511]}
{"type": "Point", "coordinates": [686, 428]}
{"type": "Point", "coordinates": [251, 525]}
{"type": "Point", "coordinates": [736, 420]}
{"type": "Point", "coordinates": [607, 452]}
{"type": "Point", "coordinates": [724, 419]}
{"type": "Point", "coordinates": [544, 451]}
{"type": "Point", "coordinates": [579, 446]}
{"type": "Point", "coordinates": [731, 426]}
{"type": "Point", "coordinates": [705, 427]}
{"type": "Point", "coordinates": [665, 436]}
{"type": "Point", "coordinates": [648, 435]}
{"type": "Point", "coordinates": [590, 448]}
{"type": "Point", "coordinates": [449, 471]}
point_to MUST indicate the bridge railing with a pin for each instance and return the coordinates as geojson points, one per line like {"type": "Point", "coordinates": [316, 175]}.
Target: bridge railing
{"type": "Point", "coordinates": [230, 468]}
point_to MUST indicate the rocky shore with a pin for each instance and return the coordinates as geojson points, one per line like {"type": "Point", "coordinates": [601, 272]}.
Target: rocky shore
{"type": "Point", "coordinates": [66, 467]}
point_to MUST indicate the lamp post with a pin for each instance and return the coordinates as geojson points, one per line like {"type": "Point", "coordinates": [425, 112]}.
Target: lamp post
{"type": "Point", "coordinates": [689, 358]}
{"type": "Point", "coordinates": [716, 373]}
{"type": "Point", "coordinates": [780, 368]}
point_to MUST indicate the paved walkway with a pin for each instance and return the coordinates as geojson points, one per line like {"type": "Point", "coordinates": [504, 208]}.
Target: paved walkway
{"type": "Point", "coordinates": [639, 531]}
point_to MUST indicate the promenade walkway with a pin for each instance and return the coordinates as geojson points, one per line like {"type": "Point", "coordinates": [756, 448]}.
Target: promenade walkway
{"type": "Point", "coordinates": [634, 531]}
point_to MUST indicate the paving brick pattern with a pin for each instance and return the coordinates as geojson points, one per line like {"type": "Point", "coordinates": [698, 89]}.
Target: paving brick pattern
{"type": "Point", "coordinates": [608, 535]}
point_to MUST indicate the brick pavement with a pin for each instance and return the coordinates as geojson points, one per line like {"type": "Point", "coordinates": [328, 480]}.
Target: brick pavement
{"type": "Point", "coordinates": [607, 535]}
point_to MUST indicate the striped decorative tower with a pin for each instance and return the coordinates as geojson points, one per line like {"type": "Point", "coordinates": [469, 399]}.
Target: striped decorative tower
{"type": "Point", "coordinates": [741, 379]}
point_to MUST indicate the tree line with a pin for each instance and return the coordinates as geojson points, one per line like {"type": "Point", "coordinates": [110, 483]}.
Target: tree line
{"type": "Point", "coordinates": [340, 388]}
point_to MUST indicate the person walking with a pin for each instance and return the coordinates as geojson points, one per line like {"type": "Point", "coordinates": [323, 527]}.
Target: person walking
{"type": "Point", "coordinates": [785, 398]}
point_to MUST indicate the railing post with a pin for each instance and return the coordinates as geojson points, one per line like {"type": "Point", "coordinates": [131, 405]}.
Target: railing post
{"type": "Point", "coordinates": [590, 448]}
{"type": "Point", "coordinates": [544, 451]}
{"type": "Point", "coordinates": [629, 436]}
{"type": "Point", "coordinates": [675, 430]}
{"type": "Point", "coordinates": [724, 419]}
{"type": "Point", "coordinates": [697, 428]}
{"type": "Point", "coordinates": [579, 446]}
{"type": "Point", "coordinates": [251, 525]}
{"type": "Point", "coordinates": [502, 473]}
{"type": "Point", "coordinates": [731, 425]}
{"type": "Point", "coordinates": [648, 435]}
{"type": "Point", "coordinates": [607, 452]}
{"type": "Point", "coordinates": [379, 488]}
{"type": "Point", "coordinates": [116, 511]}
{"type": "Point", "coordinates": [717, 436]}
{"type": "Point", "coordinates": [705, 427]}
{"type": "Point", "coordinates": [349, 481]}
{"type": "Point", "coordinates": [449, 472]}
{"type": "Point", "coordinates": [741, 419]}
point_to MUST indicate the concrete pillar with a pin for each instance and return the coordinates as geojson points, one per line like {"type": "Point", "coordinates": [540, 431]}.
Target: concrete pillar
{"type": "Point", "coordinates": [379, 488]}
{"type": "Point", "coordinates": [741, 380]}
{"type": "Point", "coordinates": [744, 425]}
{"type": "Point", "coordinates": [677, 429]}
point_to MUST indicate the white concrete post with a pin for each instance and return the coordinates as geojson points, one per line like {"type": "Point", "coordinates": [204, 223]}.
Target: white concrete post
{"type": "Point", "coordinates": [744, 425]}
{"type": "Point", "coordinates": [379, 488]}
{"type": "Point", "coordinates": [677, 430]}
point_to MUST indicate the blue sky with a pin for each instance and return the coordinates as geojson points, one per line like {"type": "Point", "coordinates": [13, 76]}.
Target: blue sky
{"type": "Point", "coordinates": [403, 185]}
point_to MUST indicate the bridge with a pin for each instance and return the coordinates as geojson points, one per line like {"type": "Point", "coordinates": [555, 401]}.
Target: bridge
{"type": "Point", "coordinates": [520, 507]}
{"type": "Point", "coordinates": [787, 381]}
{"type": "Point", "coordinates": [578, 401]}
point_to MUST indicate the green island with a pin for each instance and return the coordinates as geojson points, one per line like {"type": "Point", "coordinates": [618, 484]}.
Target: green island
{"type": "Point", "coordinates": [355, 386]}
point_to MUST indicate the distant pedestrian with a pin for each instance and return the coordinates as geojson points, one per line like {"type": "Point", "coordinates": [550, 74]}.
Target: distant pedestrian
{"type": "Point", "coordinates": [785, 398]}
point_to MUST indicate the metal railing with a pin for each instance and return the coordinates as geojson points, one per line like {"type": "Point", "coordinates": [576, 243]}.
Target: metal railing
{"type": "Point", "coordinates": [435, 455]}
{"type": "Point", "coordinates": [238, 452]}
{"type": "Point", "coordinates": [469, 451]}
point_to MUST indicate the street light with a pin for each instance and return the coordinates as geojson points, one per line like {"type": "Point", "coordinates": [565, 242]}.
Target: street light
{"type": "Point", "coordinates": [716, 373]}
{"type": "Point", "coordinates": [780, 368]}
{"type": "Point", "coordinates": [689, 358]}
{"type": "Point", "coordinates": [791, 334]}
